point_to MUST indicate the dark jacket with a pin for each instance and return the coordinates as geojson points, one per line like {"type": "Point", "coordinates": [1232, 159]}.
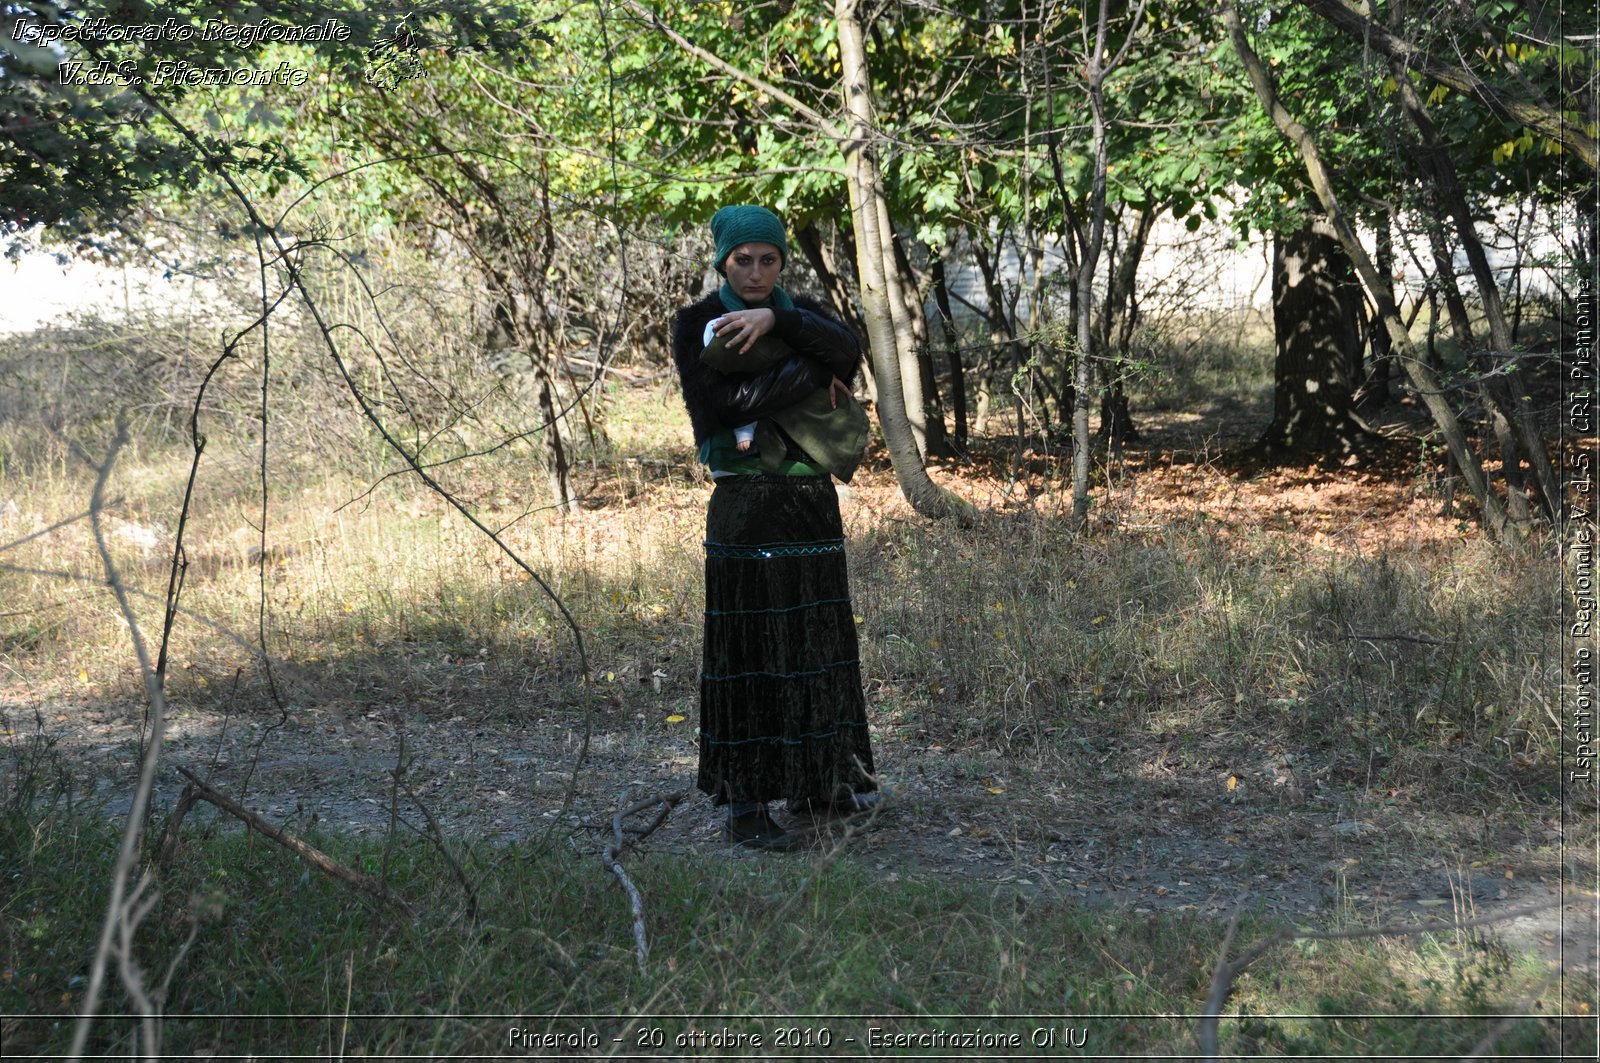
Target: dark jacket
{"type": "Point", "coordinates": [824, 349]}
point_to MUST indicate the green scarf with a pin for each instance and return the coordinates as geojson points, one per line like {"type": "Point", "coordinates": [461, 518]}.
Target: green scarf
{"type": "Point", "coordinates": [778, 300]}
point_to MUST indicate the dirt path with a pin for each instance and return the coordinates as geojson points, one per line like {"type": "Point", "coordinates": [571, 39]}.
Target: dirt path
{"type": "Point", "coordinates": [1124, 826]}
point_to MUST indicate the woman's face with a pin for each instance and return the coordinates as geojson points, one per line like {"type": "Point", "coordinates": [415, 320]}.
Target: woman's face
{"type": "Point", "coordinates": [752, 271]}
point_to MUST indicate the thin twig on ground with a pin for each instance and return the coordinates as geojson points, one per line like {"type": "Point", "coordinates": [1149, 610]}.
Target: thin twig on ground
{"type": "Point", "coordinates": [437, 836]}
{"type": "Point", "coordinates": [1393, 638]}
{"type": "Point", "coordinates": [168, 842]}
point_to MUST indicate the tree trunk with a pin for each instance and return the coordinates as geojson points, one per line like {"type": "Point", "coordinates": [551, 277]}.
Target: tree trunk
{"type": "Point", "coordinates": [952, 346]}
{"type": "Point", "coordinates": [937, 440]}
{"type": "Point", "coordinates": [512, 322]}
{"type": "Point", "coordinates": [1373, 391]}
{"type": "Point", "coordinates": [1121, 317]}
{"type": "Point", "coordinates": [1313, 408]}
{"type": "Point", "coordinates": [1002, 334]}
{"type": "Point", "coordinates": [557, 467]}
{"type": "Point", "coordinates": [905, 336]}
{"type": "Point", "coordinates": [1094, 73]}
{"type": "Point", "coordinates": [874, 260]}
{"type": "Point", "coordinates": [819, 255]}
{"type": "Point", "coordinates": [1495, 520]}
{"type": "Point", "coordinates": [1461, 326]}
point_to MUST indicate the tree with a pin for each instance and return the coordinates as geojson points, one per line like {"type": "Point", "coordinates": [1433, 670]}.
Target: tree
{"type": "Point", "coordinates": [1317, 302]}
{"type": "Point", "coordinates": [1100, 63]}
{"type": "Point", "coordinates": [1422, 377]}
{"type": "Point", "coordinates": [884, 305]}
{"type": "Point", "coordinates": [1506, 393]}
{"type": "Point", "coordinates": [82, 147]}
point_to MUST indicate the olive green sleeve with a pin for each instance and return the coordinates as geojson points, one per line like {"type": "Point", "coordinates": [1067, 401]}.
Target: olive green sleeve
{"type": "Point", "coordinates": [767, 352]}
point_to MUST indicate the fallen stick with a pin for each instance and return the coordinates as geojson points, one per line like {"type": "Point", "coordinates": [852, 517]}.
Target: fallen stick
{"type": "Point", "coordinates": [310, 854]}
{"type": "Point", "coordinates": [436, 836]}
{"type": "Point", "coordinates": [169, 836]}
{"type": "Point", "coordinates": [613, 850]}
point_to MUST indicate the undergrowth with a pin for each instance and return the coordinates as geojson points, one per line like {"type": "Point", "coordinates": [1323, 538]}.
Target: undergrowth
{"type": "Point", "coordinates": [283, 961]}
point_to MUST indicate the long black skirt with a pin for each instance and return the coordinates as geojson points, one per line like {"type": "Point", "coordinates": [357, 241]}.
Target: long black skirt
{"type": "Point", "coordinates": [782, 714]}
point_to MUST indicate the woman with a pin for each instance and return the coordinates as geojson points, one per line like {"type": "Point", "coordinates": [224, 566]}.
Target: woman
{"type": "Point", "coordinates": [781, 708]}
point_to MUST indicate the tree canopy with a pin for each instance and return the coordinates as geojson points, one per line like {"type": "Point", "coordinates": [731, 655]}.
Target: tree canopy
{"type": "Point", "coordinates": [999, 129]}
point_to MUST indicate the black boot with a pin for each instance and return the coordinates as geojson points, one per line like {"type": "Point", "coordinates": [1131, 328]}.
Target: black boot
{"type": "Point", "coordinates": [758, 830]}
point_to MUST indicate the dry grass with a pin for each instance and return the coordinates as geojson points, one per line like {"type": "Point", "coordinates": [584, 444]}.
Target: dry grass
{"type": "Point", "coordinates": [1300, 615]}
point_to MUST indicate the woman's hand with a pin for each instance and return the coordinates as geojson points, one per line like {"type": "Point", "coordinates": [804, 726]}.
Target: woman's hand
{"type": "Point", "coordinates": [740, 329]}
{"type": "Point", "coordinates": [837, 387]}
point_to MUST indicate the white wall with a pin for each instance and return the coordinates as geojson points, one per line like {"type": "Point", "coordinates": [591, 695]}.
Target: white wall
{"type": "Point", "coordinates": [36, 290]}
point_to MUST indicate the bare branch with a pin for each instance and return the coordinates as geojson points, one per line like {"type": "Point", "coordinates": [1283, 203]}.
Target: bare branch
{"type": "Point", "coordinates": [1221, 980]}
{"type": "Point", "coordinates": [611, 857]}
{"type": "Point", "coordinates": [118, 914]}
{"type": "Point", "coordinates": [433, 833]}
{"type": "Point", "coordinates": [309, 853]}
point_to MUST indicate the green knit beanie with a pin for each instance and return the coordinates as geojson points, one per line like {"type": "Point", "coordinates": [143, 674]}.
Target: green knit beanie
{"type": "Point", "coordinates": [734, 226]}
